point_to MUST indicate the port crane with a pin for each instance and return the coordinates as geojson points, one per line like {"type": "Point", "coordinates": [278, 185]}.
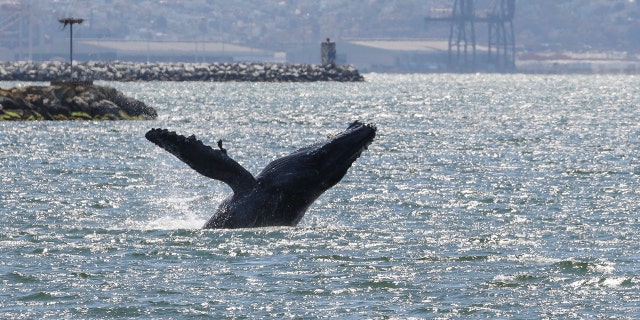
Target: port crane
{"type": "Point", "coordinates": [462, 19]}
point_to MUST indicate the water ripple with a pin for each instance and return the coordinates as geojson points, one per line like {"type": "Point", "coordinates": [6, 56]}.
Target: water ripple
{"type": "Point", "coordinates": [483, 196]}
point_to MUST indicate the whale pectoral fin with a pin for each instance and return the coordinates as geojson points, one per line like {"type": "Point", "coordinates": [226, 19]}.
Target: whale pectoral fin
{"type": "Point", "coordinates": [215, 164]}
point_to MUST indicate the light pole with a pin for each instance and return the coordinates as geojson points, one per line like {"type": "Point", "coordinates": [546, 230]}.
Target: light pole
{"type": "Point", "coordinates": [70, 22]}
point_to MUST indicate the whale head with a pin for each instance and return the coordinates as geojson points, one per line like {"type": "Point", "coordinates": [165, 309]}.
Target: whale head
{"type": "Point", "coordinates": [320, 166]}
{"type": "Point", "coordinates": [334, 157]}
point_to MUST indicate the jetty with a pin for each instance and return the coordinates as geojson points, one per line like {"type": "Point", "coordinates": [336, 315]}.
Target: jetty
{"type": "Point", "coordinates": [174, 71]}
{"type": "Point", "coordinates": [71, 100]}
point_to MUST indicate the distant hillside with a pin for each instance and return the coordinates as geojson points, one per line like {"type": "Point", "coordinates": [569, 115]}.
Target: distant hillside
{"type": "Point", "coordinates": [577, 25]}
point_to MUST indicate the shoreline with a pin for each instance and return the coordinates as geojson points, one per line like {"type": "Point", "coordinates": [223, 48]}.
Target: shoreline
{"type": "Point", "coordinates": [170, 71]}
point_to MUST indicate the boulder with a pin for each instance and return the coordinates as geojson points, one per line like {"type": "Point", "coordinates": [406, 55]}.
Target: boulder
{"type": "Point", "coordinates": [71, 100]}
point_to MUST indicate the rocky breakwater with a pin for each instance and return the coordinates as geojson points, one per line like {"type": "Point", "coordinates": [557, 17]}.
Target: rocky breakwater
{"type": "Point", "coordinates": [130, 71]}
{"type": "Point", "coordinates": [71, 100]}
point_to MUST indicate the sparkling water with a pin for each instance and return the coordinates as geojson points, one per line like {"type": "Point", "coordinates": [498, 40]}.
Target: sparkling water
{"type": "Point", "coordinates": [483, 196]}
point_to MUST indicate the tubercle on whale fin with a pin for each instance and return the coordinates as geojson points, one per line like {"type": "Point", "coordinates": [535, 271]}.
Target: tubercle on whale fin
{"type": "Point", "coordinates": [190, 139]}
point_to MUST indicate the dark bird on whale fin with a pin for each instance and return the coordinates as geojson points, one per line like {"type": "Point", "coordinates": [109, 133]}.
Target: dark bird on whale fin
{"type": "Point", "coordinates": [220, 146]}
{"type": "Point", "coordinates": [281, 194]}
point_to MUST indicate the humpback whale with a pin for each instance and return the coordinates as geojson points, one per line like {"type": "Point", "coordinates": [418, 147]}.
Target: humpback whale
{"type": "Point", "coordinates": [281, 194]}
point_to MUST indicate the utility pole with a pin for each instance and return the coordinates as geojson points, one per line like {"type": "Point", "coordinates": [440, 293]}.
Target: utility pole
{"type": "Point", "coordinates": [70, 22]}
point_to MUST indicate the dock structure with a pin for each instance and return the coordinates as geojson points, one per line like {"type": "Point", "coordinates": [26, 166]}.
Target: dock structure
{"type": "Point", "coordinates": [502, 41]}
{"type": "Point", "coordinates": [463, 18]}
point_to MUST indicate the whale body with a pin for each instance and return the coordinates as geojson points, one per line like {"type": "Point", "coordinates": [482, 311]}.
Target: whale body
{"type": "Point", "coordinates": [281, 194]}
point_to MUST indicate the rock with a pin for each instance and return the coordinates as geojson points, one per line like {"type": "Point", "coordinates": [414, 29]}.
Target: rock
{"type": "Point", "coordinates": [7, 102]}
{"type": "Point", "coordinates": [103, 107]}
{"type": "Point", "coordinates": [216, 71]}
{"type": "Point", "coordinates": [71, 100]}
{"type": "Point", "coordinates": [77, 103]}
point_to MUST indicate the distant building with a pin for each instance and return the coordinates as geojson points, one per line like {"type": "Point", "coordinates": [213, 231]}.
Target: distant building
{"type": "Point", "coordinates": [386, 55]}
{"type": "Point", "coordinates": [398, 55]}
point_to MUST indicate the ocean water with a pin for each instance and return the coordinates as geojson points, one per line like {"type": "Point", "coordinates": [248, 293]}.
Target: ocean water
{"type": "Point", "coordinates": [482, 197]}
